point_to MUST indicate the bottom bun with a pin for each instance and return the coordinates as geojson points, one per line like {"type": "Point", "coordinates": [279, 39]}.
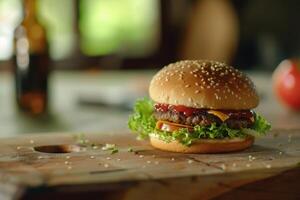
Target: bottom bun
{"type": "Point", "coordinates": [204, 145]}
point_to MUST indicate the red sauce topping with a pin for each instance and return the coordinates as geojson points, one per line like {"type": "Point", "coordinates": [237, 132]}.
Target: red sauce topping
{"type": "Point", "coordinates": [161, 107]}
{"type": "Point", "coordinates": [187, 111]}
{"type": "Point", "coordinates": [183, 109]}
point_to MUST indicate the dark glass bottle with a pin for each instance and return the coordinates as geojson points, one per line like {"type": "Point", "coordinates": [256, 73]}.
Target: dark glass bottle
{"type": "Point", "coordinates": [31, 66]}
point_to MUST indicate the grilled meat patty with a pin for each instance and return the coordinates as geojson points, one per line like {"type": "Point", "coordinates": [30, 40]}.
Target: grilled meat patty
{"type": "Point", "coordinates": [203, 119]}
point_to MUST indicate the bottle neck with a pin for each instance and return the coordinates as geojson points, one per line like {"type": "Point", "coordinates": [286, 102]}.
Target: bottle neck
{"type": "Point", "coordinates": [32, 30]}
{"type": "Point", "coordinates": [29, 12]}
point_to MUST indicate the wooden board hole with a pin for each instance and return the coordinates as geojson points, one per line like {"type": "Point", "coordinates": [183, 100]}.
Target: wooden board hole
{"type": "Point", "coordinates": [63, 148]}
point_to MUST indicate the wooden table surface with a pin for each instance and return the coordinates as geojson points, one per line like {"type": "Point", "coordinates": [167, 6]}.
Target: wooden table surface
{"type": "Point", "coordinates": [268, 170]}
{"type": "Point", "coordinates": [60, 164]}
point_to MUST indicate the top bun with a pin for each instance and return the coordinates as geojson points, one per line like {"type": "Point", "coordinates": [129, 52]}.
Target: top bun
{"type": "Point", "coordinates": [203, 84]}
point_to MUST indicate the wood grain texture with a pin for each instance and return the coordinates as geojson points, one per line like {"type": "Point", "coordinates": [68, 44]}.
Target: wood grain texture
{"type": "Point", "coordinates": [145, 170]}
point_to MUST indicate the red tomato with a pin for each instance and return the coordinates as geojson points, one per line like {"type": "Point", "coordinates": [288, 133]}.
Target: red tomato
{"type": "Point", "coordinates": [286, 82]}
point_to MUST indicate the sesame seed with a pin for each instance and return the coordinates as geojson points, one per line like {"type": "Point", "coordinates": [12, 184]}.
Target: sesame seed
{"type": "Point", "coordinates": [187, 85]}
{"type": "Point", "coordinates": [197, 91]}
{"type": "Point", "coordinates": [223, 166]}
{"type": "Point", "coordinates": [190, 161]}
{"type": "Point", "coordinates": [268, 166]}
{"type": "Point", "coordinates": [289, 138]}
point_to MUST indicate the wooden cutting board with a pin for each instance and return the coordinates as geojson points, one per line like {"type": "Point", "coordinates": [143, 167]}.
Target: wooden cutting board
{"type": "Point", "coordinates": [69, 165]}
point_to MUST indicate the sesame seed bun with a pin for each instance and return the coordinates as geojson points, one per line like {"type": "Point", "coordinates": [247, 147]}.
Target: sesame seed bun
{"type": "Point", "coordinates": [203, 84]}
{"type": "Point", "coordinates": [204, 145]}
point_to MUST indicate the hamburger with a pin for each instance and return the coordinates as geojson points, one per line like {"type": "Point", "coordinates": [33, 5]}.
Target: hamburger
{"type": "Point", "coordinates": [199, 106]}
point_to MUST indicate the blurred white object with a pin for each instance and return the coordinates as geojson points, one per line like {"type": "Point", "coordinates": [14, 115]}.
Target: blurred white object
{"type": "Point", "coordinates": [10, 16]}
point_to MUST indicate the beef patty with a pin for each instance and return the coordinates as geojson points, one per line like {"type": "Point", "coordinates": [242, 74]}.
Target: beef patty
{"type": "Point", "coordinates": [203, 119]}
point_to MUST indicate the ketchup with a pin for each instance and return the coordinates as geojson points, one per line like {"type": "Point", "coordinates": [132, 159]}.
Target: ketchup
{"type": "Point", "coordinates": [161, 107]}
{"type": "Point", "coordinates": [187, 111]}
{"type": "Point", "coordinates": [182, 109]}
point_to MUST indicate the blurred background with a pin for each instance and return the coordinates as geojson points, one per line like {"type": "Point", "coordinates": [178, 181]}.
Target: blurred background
{"type": "Point", "coordinates": [123, 34]}
{"type": "Point", "coordinates": [83, 62]}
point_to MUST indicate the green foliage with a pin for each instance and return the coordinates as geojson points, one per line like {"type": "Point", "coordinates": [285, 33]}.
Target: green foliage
{"type": "Point", "coordinates": [261, 125]}
{"type": "Point", "coordinates": [213, 131]}
{"type": "Point", "coordinates": [143, 122]}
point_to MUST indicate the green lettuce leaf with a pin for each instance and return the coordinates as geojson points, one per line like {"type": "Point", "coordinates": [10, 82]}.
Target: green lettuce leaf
{"type": "Point", "coordinates": [143, 122]}
{"type": "Point", "coordinates": [261, 125]}
{"type": "Point", "coordinates": [213, 131]}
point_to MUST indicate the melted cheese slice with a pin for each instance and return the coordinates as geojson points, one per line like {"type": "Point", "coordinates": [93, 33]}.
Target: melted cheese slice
{"type": "Point", "coordinates": [171, 126]}
{"type": "Point", "coordinates": [219, 114]}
